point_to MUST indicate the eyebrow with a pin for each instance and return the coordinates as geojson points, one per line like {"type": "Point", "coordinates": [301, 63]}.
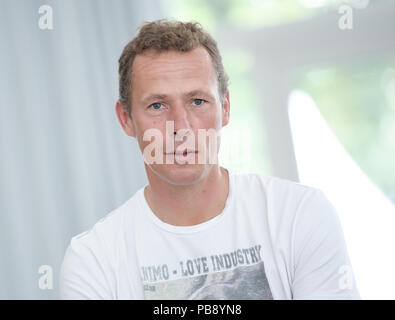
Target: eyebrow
{"type": "Point", "coordinates": [189, 94]}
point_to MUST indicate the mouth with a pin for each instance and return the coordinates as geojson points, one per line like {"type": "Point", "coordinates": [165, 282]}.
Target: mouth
{"type": "Point", "coordinates": [184, 153]}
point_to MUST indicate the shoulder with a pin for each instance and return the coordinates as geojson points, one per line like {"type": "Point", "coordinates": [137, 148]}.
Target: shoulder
{"type": "Point", "coordinates": [87, 269]}
{"type": "Point", "coordinates": [284, 202]}
{"type": "Point", "coordinates": [273, 188]}
{"type": "Point", "coordinates": [103, 234]}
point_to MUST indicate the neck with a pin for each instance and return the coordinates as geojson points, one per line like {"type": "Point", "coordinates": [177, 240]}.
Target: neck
{"type": "Point", "coordinates": [191, 204]}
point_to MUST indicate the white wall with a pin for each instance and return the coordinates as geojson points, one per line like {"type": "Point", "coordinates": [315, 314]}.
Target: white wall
{"type": "Point", "coordinates": [65, 161]}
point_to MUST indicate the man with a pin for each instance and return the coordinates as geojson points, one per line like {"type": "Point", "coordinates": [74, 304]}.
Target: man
{"type": "Point", "coordinates": [198, 230]}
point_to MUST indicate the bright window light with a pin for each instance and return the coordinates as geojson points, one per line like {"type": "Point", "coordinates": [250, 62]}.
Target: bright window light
{"type": "Point", "coordinates": [367, 216]}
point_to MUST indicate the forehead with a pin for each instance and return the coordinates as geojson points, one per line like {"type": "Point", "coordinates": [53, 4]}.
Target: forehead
{"type": "Point", "coordinates": [173, 68]}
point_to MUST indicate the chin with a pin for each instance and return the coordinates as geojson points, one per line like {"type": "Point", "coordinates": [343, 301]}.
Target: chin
{"type": "Point", "coordinates": [177, 174]}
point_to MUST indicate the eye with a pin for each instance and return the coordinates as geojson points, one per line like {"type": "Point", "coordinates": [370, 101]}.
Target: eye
{"type": "Point", "coordinates": [199, 102]}
{"type": "Point", "coordinates": [156, 106]}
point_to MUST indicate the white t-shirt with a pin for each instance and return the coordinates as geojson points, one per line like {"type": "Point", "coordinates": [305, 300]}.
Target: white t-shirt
{"type": "Point", "coordinates": [275, 239]}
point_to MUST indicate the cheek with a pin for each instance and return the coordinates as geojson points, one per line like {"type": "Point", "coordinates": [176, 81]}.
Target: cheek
{"type": "Point", "coordinates": [142, 125]}
{"type": "Point", "coordinates": [152, 128]}
{"type": "Point", "coordinates": [212, 120]}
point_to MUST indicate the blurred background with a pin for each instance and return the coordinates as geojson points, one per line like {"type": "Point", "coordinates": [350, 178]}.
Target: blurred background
{"type": "Point", "coordinates": [312, 89]}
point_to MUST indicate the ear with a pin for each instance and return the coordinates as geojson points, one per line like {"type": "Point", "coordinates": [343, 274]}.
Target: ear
{"type": "Point", "coordinates": [226, 110]}
{"type": "Point", "coordinates": [124, 119]}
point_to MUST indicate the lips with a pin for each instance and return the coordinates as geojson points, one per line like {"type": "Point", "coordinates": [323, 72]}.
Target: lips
{"type": "Point", "coordinates": [183, 157]}
{"type": "Point", "coordinates": [184, 153]}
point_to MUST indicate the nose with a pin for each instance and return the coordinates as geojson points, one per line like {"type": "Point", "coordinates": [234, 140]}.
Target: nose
{"type": "Point", "coordinates": [180, 117]}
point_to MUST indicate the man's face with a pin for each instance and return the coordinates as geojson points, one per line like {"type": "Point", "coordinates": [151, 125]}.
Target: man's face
{"type": "Point", "coordinates": [180, 87]}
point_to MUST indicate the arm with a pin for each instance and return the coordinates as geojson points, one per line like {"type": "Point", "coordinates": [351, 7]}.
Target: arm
{"type": "Point", "coordinates": [82, 276]}
{"type": "Point", "coordinates": [322, 269]}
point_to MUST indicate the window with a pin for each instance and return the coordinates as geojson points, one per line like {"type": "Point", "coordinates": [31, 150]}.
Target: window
{"type": "Point", "coordinates": [343, 127]}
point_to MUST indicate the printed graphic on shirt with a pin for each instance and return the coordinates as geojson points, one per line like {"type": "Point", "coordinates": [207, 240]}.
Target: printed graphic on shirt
{"type": "Point", "coordinates": [239, 274]}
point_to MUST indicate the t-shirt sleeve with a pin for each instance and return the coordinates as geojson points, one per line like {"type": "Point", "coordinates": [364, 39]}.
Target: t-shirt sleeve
{"type": "Point", "coordinates": [322, 268]}
{"type": "Point", "coordinates": [81, 274]}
